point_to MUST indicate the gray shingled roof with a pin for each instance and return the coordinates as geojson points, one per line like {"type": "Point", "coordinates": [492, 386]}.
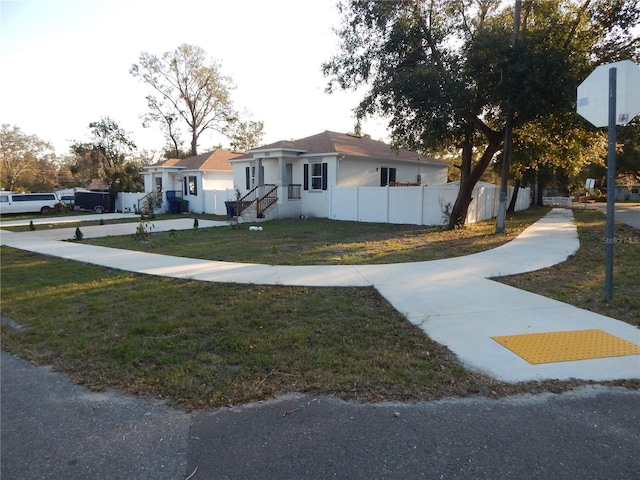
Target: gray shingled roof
{"type": "Point", "coordinates": [333, 142]}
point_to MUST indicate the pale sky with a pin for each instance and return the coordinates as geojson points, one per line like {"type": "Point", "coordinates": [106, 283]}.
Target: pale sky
{"type": "Point", "coordinates": [65, 63]}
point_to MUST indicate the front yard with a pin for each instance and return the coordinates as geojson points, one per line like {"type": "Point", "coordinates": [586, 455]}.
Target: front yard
{"type": "Point", "coordinates": [206, 345]}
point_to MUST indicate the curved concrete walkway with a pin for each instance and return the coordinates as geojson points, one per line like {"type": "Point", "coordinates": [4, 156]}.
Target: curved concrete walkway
{"type": "Point", "coordinates": [452, 300]}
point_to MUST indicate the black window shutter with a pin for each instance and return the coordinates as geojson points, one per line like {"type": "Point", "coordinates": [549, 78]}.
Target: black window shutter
{"type": "Point", "coordinates": [186, 185]}
{"type": "Point", "coordinates": [247, 176]}
{"type": "Point", "coordinates": [306, 176]}
{"type": "Point", "coordinates": [325, 170]}
{"type": "Point", "coordinates": [383, 176]}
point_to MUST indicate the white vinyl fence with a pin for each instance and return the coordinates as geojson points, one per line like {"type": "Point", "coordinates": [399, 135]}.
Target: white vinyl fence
{"type": "Point", "coordinates": [416, 205]}
{"type": "Point", "coordinates": [214, 200]}
{"type": "Point", "coordinates": [128, 201]}
{"type": "Point", "coordinates": [557, 201]}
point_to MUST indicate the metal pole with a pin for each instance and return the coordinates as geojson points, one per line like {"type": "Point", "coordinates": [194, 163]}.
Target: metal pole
{"type": "Point", "coordinates": [611, 187]}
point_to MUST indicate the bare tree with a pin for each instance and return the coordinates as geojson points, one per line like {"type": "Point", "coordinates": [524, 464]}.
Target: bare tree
{"type": "Point", "coordinates": [186, 86]}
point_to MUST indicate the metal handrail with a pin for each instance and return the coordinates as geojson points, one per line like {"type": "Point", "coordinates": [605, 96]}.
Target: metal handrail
{"type": "Point", "coordinates": [252, 197]}
{"type": "Point", "coordinates": [144, 200]}
{"type": "Point", "coordinates": [266, 201]}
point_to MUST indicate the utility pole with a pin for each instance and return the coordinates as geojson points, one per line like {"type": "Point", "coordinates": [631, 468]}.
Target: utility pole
{"type": "Point", "coordinates": [508, 135]}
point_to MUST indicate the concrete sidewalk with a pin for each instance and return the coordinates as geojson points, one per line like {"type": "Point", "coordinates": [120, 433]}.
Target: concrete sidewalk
{"type": "Point", "coordinates": [452, 300]}
{"type": "Point", "coordinates": [68, 219]}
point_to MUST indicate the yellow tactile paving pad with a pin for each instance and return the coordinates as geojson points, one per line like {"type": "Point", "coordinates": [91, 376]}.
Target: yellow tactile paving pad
{"type": "Point", "coordinates": [552, 347]}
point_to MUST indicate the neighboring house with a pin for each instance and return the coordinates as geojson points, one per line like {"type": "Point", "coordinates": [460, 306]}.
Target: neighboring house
{"type": "Point", "coordinates": [295, 177]}
{"type": "Point", "coordinates": [628, 193]}
{"type": "Point", "coordinates": [193, 179]}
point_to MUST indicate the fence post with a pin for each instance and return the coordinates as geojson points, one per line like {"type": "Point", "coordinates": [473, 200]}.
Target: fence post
{"type": "Point", "coordinates": [421, 219]}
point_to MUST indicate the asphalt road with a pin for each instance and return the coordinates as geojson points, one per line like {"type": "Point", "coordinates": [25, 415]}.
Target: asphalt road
{"type": "Point", "coordinates": [628, 213]}
{"type": "Point", "coordinates": [52, 429]}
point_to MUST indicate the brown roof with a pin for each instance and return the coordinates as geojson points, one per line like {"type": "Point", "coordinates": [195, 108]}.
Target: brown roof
{"type": "Point", "coordinates": [333, 142]}
{"type": "Point", "coordinates": [215, 160]}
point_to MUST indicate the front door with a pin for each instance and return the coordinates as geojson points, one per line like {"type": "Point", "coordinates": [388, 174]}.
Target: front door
{"type": "Point", "coordinates": [289, 174]}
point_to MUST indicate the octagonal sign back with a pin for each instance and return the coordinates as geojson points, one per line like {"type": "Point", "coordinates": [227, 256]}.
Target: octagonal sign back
{"type": "Point", "coordinates": [593, 94]}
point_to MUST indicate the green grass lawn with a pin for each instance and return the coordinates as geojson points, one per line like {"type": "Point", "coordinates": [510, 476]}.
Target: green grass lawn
{"type": "Point", "coordinates": [326, 242]}
{"type": "Point", "coordinates": [206, 345]}
{"type": "Point", "coordinates": [580, 280]}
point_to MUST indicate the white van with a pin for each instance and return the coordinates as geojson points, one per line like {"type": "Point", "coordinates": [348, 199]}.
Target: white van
{"type": "Point", "coordinates": [27, 202]}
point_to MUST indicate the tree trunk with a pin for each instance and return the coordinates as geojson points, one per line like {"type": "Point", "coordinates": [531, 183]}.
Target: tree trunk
{"type": "Point", "coordinates": [194, 144]}
{"type": "Point", "coordinates": [459, 211]}
{"type": "Point", "coordinates": [514, 198]}
{"type": "Point", "coordinates": [470, 177]}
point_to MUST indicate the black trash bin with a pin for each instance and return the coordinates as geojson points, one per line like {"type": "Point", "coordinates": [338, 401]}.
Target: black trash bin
{"type": "Point", "coordinates": [231, 208]}
{"type": "Point", "coordinates": [174, 206]}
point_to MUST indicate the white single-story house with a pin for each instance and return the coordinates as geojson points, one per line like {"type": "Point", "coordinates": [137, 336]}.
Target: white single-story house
{"type": "Point", "coordinates": [293, 178]}
{"type": "Point", "coordinates": [193, 179]}
{"type": "Point", "coordinates": [628, 193]}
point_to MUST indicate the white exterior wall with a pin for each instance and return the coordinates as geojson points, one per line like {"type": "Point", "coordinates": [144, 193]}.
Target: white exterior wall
{"type": "Point", "coordinates": [217, 180]}
{"type": "Point", "coordinates": [196, 202]}
{"type": "Point", "coordinates": [360, 172]}
{"type": "Point", "coordinates": [317, 203]}
{"type": "Point", "coordinates": [340, 171]}
{"type": "Point", "coordinates": [239, 173]}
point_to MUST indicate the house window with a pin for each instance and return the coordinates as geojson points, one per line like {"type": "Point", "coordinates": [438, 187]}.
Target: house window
{"type": "Point", "coordinates": [158, 184]}
{"type": "Point", "coordinates": [387, 175]}
{"type": "Point", "coordinates": [635, 190]}
{"type": "Point", "coordinates": [190, 186]}
{"type": "Point", "coordinates": [251, 180]}
{"type": "Point", "coordinates": [316, 176]}
{"type": "Point", "coordinates": [249, 173]}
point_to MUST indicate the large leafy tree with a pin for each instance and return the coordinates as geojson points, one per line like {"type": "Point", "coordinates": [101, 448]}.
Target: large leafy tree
{"type": "Point", "coordinates": [446, 72]}
{"type": "Point", "coordinates": [246, 135]}
{"type": "Point", "coordinates": [628, 159]}
{"type": "Point", "coordinates": [28, 162]}
{"type": "Point", "coordinates": [107, 155]}
{"type": "Point", "coordinates": [558, 148]}
{"type": "Point", "coordinates": [189, 90]}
